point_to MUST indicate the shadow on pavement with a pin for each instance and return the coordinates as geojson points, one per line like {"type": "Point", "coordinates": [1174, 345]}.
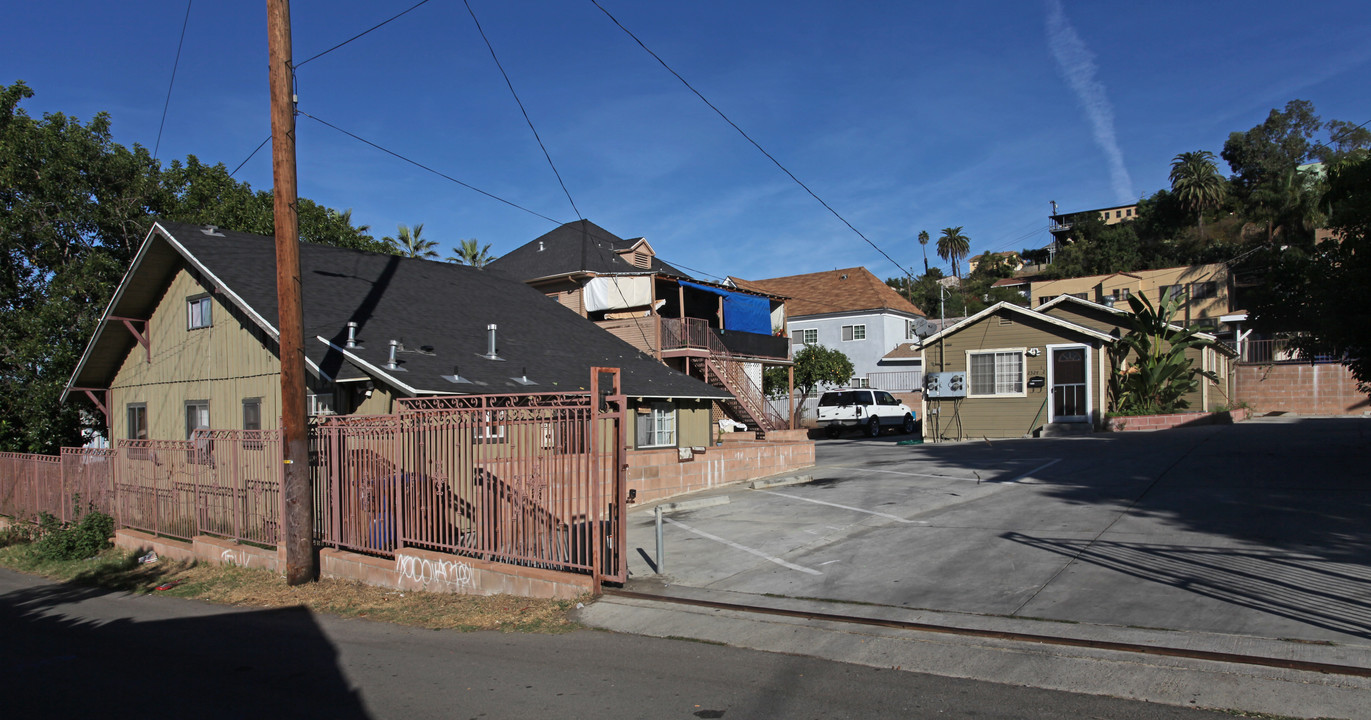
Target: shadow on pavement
{"type": "Point", "coordinates": [267, 663]}
{"type": "Point", "coordinates": [1294, 585]}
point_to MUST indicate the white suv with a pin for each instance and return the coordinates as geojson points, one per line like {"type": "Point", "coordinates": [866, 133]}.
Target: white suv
{"type": "Point", "coordinates": [870, 410]}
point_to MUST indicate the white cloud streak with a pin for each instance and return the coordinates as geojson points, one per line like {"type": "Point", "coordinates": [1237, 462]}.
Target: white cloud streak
{"type": "Point", "coordinates": [1077, 66]}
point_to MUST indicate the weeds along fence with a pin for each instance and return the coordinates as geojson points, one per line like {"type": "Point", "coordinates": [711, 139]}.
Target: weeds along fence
{"type": "Point", "coordinates": [532, 480]}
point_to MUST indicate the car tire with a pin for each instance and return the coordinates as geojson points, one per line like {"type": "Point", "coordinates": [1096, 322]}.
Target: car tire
{"type": "Point", "coordinates": [833, 431]}
{"type": "Point", "coordinates": [873, 427]}
{"type": "Point", "coordinates": [909, 425]}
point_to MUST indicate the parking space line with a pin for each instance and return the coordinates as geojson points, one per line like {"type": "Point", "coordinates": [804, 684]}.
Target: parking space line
{"type": "Point", "coordinates": [744, 548]}
{"type": "Point", "coordinates": [896, 518]}
{"type": "Point", "coordinates": [1030, 472]}
{"type": "Point", "coordinates": [897, 472]}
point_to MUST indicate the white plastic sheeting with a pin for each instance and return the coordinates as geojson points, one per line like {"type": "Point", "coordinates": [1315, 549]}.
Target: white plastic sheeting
{"type": "Point", "coordinates": [617, 293]}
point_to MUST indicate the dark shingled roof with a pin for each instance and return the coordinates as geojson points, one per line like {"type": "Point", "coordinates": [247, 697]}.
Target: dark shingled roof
{"type": "Point", "coordinates": [579, 247]}
{"type": "Point", "coordinates": [440, 307]}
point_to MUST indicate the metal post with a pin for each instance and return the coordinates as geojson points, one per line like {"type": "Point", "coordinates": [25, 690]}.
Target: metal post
{"type": "Point", "coordinates": [660, 550]}
{"type": "Point", "coordinates": [294, 436]}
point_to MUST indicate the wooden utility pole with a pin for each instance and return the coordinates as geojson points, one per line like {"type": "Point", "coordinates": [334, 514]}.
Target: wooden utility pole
{"type": "Point", "coordinates": [296, 504]}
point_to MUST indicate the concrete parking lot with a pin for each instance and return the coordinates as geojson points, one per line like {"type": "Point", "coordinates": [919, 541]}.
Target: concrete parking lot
{"type": "Point", "coordinates": [1259, 529]}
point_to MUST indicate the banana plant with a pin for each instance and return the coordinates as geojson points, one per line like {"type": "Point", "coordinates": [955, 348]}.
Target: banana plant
{"type": "Point", "coordinates": [1151, 371]}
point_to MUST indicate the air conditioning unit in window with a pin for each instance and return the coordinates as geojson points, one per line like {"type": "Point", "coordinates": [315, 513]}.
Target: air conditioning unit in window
{"type": "Point", "coordinates": [320, 404]}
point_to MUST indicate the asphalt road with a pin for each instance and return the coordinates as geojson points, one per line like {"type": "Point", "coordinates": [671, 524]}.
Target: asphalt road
{"type": "Point", "coordinates": [1261, 529]}
{"type": "Point", "coordinates": [71, 652]}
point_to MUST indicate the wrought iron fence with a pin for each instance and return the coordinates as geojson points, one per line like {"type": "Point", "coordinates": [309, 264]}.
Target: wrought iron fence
{"type": "Point", "coordinates": [532, 480]}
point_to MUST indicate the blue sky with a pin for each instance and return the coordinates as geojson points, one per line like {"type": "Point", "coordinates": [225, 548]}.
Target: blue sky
{"type": "Point", "coordinates": [903, 116]}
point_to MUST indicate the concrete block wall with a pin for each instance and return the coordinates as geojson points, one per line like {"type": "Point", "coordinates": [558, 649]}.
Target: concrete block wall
{"type": "Point", "coordinates": [1304, 389]}
{"type": "Point", "coordinates": [658, 474]}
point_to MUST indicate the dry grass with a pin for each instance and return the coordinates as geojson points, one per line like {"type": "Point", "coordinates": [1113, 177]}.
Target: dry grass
{"type": "Point", "coordinates": [225, 585]}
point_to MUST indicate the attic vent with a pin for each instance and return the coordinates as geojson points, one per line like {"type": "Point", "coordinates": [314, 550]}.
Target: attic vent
{"type": "Point", "coordinates": [1006, 320]}
{"type": "Point", "coordinates": [843, 276]}
{"type": "Point", "coordinates": [392, 364]}
{"type": "Point", "coordinates": [211, 230]}
{"type": "Point", "coordinates": [641, 260]}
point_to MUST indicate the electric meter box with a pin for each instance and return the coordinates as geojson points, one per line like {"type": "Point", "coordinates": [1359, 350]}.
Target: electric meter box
{"type": "Point", "coordinates": [945, 385]}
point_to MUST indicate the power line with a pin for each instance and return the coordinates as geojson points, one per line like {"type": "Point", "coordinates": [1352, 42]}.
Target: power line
{"type": "Point", "coordinates": [422, 166]}
{"type": "Point", "coordinates": [249, 157]}
{"type": "Point", "coordinates": [749, 138]}
{"type": "Point", "coordinates": [360, 34]}
{"type": "Point", "coordinates": [176, 63]}
{"type": "Point", "coordinates": [520, 103]}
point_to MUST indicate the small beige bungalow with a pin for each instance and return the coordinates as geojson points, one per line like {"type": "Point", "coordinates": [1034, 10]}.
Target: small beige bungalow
{"type": "Point", "coordinates": [1216, 358]}
{"type": "Point", "coordinates": [1026, 372]}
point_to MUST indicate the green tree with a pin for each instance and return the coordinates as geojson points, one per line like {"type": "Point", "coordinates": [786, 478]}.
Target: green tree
{"type": "Point", "coordinates": [953, 246]}
{"type": "Point", "coordinates": [815, 366]}
{"type": "Point", "coordinates": [471, 253]}
{"type": "Point", "coordinates": [1197, 183]}
{"type": "Point", "coordinates": [74, 208]}
{"type": "Point", "coordinates": [407, 243]}
{"type": "Point", "coordinates": [1151, 372]}
{"type": "Point", "coordinates": [1098, 249]}
{"type": "Point", "coordinates": [1324, 294]}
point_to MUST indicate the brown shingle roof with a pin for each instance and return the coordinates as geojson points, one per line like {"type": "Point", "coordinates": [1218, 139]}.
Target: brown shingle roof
{"type": "Point", "coordinates": [832, 291]}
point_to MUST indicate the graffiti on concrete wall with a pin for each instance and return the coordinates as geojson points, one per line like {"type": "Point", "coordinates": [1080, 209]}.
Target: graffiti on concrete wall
{"type": "Point", "coordinates": [442, 574]}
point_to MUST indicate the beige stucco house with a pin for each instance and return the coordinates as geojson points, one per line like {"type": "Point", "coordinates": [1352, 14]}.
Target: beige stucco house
{"type": "Point", "coordinates": [1025, 370]}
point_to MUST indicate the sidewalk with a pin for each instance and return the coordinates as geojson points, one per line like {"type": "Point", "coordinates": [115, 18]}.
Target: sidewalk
{"type": "Point", "coordinates": [1149, 677]}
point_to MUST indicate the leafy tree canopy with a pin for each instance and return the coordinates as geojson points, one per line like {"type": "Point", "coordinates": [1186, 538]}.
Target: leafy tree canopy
{"type": "Point", "coordinates": [74, 207]}
{"type": "Point", "coordinates": [815, 366]}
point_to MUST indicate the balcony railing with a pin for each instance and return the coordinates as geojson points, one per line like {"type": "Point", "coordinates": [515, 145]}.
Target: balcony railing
{"type": "Point", "coordinates": [696, 334]}
{"type": "Point", "coordinates": [1277, 351]}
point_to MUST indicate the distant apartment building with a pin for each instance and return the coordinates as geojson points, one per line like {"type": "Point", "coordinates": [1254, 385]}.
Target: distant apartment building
{"type": "Point", "coordinates": [1061, 224]}
{"type": "Point", "coordinates": [1203, 292]}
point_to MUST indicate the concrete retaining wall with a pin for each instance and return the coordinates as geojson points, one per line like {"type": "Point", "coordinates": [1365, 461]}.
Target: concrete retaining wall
{"type": "Point", "coordinates": [410, 569]}
{"type": "Point", "coordinates": [1299, 388]}
{"type": "Point", "coordinates": [657, 474]}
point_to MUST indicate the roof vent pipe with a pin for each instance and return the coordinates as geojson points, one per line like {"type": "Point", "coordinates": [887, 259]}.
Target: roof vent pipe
{"type": "Point", "coordinates": [391, 364]}
{"type": "Point", "coordinates": [540, 246]}
{"type": "Point", "coordinates": [352, 337]}
{"type": "Point", "coordinates": [490, 344]}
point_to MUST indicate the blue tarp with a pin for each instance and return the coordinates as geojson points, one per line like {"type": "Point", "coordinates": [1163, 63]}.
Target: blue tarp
{"type": "Point", "coordinates": [744, 313]}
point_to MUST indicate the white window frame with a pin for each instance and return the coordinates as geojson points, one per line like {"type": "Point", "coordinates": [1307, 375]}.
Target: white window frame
{"type": "Point", "coordinates": [199, 312]}
{"type": "Point", "coordinates": [202, 421]}
{"type": "Point", "coordinates": [971, 385]}
{"type": "Point", "coordinates": [806, 334]}
{"type": "Point", "coordinates": [850, 333]}
{"type": "Point", "coordinates": [661, 415]}
{"type": "Point", "coordinates": [492, 427]}
{"type": "Point", "coordinates": [860, 382]}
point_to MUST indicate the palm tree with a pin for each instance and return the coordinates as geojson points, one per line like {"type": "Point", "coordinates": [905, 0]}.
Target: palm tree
{"type": "Point", "coordinates": [953, 246]}
{"type": "Point", "coordinates": [407, 243]}
{"type": "Point", "coordinates": [923, 242]}
{"type": "Point", "coordinates": [471, 253]}
{"type": "Point", "coordinates": [1197, 183]}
